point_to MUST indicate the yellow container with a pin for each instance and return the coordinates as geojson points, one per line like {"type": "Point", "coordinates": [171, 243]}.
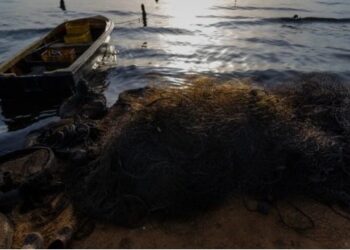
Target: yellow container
{"type": "Point", "coordinates": [80, 38]}
{"type": "Point", "coordinates": [77, 28]}
{"type": "Point", "coordinates": [63, 55]}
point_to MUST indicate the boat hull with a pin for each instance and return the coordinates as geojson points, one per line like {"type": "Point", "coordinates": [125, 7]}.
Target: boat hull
{"type": "Point", "coordinates": [36, 86]}
{"type": "Point", "coordinates": [60, 82]}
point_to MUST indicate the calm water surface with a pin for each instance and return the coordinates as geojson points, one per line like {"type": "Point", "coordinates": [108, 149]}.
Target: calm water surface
{"type": "Point", "coordinates": [225, 38]}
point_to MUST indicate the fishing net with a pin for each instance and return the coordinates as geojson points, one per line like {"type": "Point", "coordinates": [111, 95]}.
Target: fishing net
{"type": "Point", "coordinates": [186, 149]}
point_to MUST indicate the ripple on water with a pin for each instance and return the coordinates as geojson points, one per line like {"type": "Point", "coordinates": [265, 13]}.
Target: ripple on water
{"type": "Point", "coordinates": [338, 49]}
{"type": "Point", "coordinates": [332, 3]}
{"type": "Point", "coordinates": [138, 53]}
{"type": "Point", "coordinates": [156, 30]}
{"type": "Point", "coordinates": [279, 20]}
{"type": "Point", "coordinates": [23, 33]}
{"type": "Point", "coordinates": [343, 56]}
{"type": "Point", "coordinates": [272, 42]}
{"type": "Point", "coordinates": [260, 8]}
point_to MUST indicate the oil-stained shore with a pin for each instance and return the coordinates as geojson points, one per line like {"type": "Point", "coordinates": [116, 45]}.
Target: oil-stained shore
{"type": "Point", "coordinates": [210, 164]}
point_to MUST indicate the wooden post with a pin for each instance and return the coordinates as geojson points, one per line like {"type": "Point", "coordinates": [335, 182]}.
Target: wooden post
{"type": "Point", "coordinates": [144, 15]}
{"type": "Point", "coordinates": [63, 5]}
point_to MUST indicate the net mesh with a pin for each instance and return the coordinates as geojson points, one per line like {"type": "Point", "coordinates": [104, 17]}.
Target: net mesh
{"type": "Point", "coordinates": [185, 149]}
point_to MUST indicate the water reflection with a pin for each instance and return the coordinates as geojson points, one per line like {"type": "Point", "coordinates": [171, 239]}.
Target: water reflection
{"type": "Point", "coordinates": [183, 13]}
{"type": "Point", "coordinates": [19, 114]}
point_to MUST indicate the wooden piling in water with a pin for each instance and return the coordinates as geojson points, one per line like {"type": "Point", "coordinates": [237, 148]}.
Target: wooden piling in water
{"type": "Point", "coordinates": [63, 5]}
{"type": "Point", "coordinates": [144, 15]}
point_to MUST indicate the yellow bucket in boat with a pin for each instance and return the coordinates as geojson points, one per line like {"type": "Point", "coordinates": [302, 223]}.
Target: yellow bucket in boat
{"type": "Point", "coordinates": [77, 28]}
{"type": "Point", "coordinates": [79, 38]}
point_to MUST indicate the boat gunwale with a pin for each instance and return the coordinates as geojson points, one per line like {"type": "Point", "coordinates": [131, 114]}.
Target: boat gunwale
{"type": "Point", "coordinates": [71, 69]}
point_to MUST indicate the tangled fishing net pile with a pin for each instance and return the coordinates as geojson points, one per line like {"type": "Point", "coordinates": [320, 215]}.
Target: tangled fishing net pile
{"type": "Point", "coordinates": [184, 149]}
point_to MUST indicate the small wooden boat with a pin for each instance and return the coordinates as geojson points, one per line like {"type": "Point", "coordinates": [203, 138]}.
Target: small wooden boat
{"type": "Point", "coordinates": [55, 63]}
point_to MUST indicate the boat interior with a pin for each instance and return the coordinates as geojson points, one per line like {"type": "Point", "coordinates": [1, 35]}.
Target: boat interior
{"type": "Point", "coordinates": [59, 49]}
